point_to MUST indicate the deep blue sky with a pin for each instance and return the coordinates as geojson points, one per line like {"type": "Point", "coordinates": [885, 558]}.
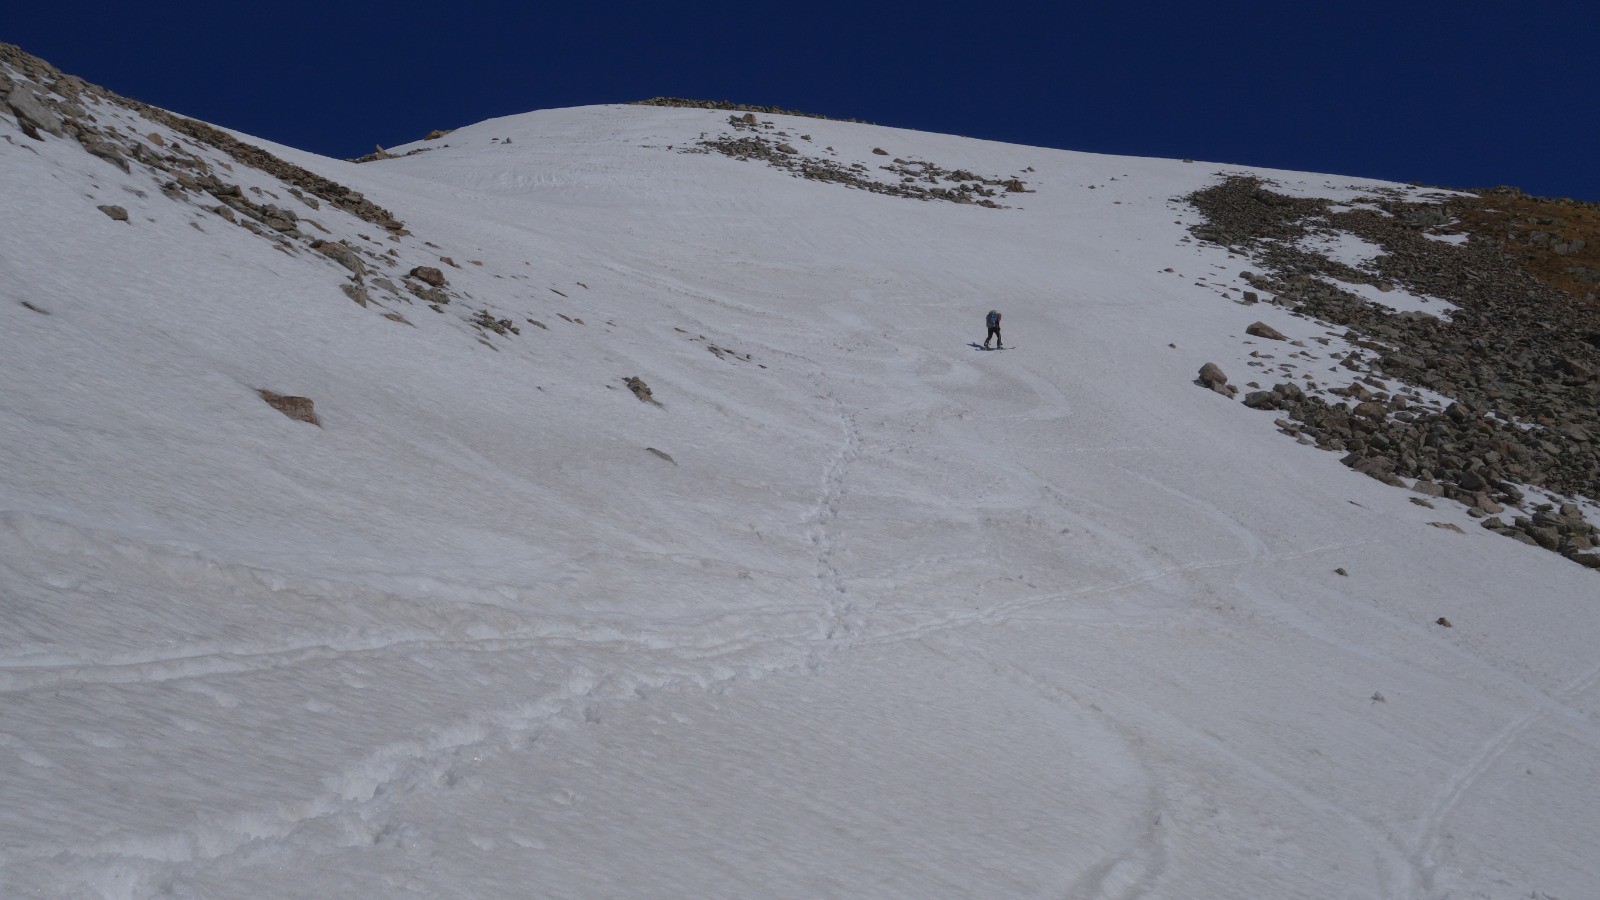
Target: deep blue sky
{"type": "Point", "coordinates": [1466, 94]}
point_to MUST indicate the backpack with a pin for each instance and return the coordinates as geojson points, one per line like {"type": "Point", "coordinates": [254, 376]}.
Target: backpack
{"type": "Point", "coordinates": [993, 319]}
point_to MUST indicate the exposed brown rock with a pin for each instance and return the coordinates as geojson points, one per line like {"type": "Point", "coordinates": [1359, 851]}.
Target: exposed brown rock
{"type": "Point", "coordinates": [355, 292]}
{"type": "Point", "coordinates": [1262, 329]}
{"type": "Point", "coordinates": [640, 389]}
{"type": "Point", "coordinates": [428, 275]}
{"type": "Point", "coordinates": [1211, 376]}
{"type": "Point", "coordinates": [297, 408]}
{"type": "Point", "coordinates": [342, 254]}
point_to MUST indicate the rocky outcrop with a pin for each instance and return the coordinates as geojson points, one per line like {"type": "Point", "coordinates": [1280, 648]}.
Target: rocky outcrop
{"type": "Point", "coordinates": [192, 163]}
{"type": "Point", "coordinates": [32, 114]}
{"type": "Point", "coordinates": [49, 103]}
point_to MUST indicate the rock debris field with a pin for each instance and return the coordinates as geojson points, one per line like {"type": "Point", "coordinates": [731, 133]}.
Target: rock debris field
{"type": "Point", "coordinates": [1516, 360]}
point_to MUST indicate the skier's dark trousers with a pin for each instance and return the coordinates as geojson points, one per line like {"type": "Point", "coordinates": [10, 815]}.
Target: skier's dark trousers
{"type": "Point", "coordinates": [993, 321]}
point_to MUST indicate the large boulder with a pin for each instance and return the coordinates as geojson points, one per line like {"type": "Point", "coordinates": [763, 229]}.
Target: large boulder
{"type": "Point", "coordinates": [428, 275]}
{"type": "Point", "coordinates": [1211, 376]}
{"type": "Point", "coordinates": [278, 218]}
{"type": "Point", "coordinates": [32, 113]}
{"type": "Point", "coordinates": [342, 255]}
{"type": "Point", "coordinates": [1262, 400]}
{"type": "Point", "coordinates": [1263, 330]}
{"type": "Point", "coordinates": [1289, 391]}
{"type": "Point", "coordinates": [1428, 488]}
{"type": "Point", "coordinates": [1370, 409]}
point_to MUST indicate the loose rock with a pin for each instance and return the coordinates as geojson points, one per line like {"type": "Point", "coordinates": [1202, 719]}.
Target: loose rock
{"type": "Point", "coordinates": [640, 389]}
{"type": "Point", "coordinates": [297, 408]}
{"type": "Point", "coordinates": [1262, 329]}
{"type": "Point", "coordinates": [428, 275]}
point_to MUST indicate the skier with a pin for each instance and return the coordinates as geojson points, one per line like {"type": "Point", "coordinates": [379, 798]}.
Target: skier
{"type": "Point", "coordinates": [993, 321]}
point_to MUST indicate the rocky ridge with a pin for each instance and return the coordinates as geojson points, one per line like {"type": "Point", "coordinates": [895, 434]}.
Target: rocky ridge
{"type": "Point", "coordinates": [49, 100]}
{"type": "Point", "coordinates": [684, 103]}
{"type": "Point", "coordinates": [1496, 406]}
{"type": "Point", "coordinates": [300, 212]}
{"type": "Point", "coordinates": [757, 139]}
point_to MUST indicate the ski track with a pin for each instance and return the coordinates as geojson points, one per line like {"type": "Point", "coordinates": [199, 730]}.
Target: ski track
{"type": "Point", "coordinates": [665, 659]}
{"type": "Point", "coordinates": [1429, 855]}
{"type": "Point", "coordinates": [724, 281]}
{"type": "Point", "coordinates": [364, 783]}
{"type": "Point", "coordinates": [1142, 862]}
{"type": "Point", "coordinates": [1393, 872]}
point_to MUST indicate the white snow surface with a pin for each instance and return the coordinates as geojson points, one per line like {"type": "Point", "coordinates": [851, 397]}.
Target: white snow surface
{"type": "Point", "coordinates": [899, 619]}
{"type": "Point", "coordinates": [1397, 299]}
{"type": "Point", "coordinates": [1342, 246]}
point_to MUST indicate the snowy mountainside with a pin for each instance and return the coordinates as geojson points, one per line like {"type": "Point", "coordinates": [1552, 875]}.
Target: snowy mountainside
{"type": "Point", "coordinates": [881, 615]}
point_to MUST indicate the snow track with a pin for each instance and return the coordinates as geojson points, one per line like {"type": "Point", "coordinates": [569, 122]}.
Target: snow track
{"type": "Point", "coordinates": [1432, 852]}
{"type": "Point", "coordinates": [879, 617]}
{"type": "Point", "coordinates": [839, 616]}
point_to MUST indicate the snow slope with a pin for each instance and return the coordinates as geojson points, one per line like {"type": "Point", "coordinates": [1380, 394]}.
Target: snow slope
{"type": "Point", "coordinates": [898, 618]}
